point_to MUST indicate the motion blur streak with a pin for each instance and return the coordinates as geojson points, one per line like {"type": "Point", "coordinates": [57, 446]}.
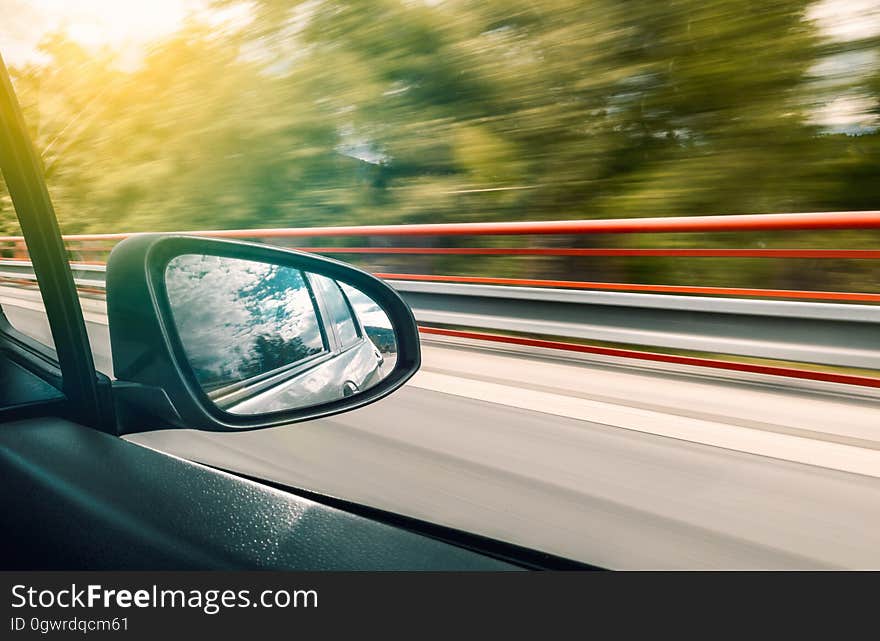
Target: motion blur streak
{"type": "Point", "coordinates": [228, 114]}
{"type": "Point", "coordinates": [602, 134]}
{"type": "Point", "coordinates": [845, 379]}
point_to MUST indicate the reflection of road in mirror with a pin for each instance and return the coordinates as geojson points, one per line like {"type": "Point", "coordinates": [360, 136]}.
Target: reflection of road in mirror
{"type": "Point", "coordinates": [387, 365]}
{"type": "Point", "coordinates": [265, 338]}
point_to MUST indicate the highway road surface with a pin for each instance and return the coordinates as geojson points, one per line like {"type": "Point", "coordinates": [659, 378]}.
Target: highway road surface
{"type": "Point", "coordinates": [617, 463]}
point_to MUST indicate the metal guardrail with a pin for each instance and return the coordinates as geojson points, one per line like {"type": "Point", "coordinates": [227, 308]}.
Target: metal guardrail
{"type": "Point", "coordinates": [88, 276]}
{"type": "Point", "coordinates": [664, 224]}
{"type": "Point", "coordinates": [96, 247]}
{"type": "Point", "coordinates": [835, 328]}
{"type": "Point", "coordinates": [824, 333]}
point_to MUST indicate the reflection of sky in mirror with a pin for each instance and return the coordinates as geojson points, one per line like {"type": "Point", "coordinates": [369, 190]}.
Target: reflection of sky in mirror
{"type": "Point", "coordinates": [368, 311]}
{"type": "Point", "coordinates": [226, 309]}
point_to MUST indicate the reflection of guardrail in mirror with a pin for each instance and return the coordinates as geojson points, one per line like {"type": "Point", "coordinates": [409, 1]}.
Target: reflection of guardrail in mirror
{"type": "Point", "coordinates": [383, 338]}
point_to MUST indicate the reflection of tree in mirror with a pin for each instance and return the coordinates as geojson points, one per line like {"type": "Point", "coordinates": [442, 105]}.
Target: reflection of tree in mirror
{"type": "Point", "coordinates": [272, 352]}
{"type": "Point", "coordinates": [383, 338]}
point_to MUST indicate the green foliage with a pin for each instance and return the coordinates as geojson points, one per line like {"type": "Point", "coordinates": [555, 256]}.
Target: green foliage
{"type": "Point", "coordinates": [398, 111]}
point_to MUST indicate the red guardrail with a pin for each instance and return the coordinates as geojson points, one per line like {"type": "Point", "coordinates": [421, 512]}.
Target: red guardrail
{"type": "Point", "coordinates": [670, 224]}
{"type": "Point", "coordinates": [94, 248]}
{"type": "Point", "coordinates": [86, 247]}
{"type": "Point", "coordinates": [851, 254]}
{"type": "Point", "coordinates": [741, 292]}
{"type": "Point", "coordinates": [752, 368]}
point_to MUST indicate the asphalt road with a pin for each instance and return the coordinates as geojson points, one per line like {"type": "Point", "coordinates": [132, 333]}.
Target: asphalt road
{"type": "Point", "coordinates": [618, 464]}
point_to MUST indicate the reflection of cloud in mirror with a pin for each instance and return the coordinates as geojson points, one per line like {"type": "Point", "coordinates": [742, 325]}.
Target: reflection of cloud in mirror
{"type": "Point", "coordinates": [239, 318]}
{"type": "Point", "coordinates": [366, 308]}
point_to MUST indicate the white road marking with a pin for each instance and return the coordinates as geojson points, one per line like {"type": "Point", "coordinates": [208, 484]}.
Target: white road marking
{"type": "Point", "coordinates": [90, 317]}
{"type": "Point", "coordinates": [845, 458]}
{"type": "Point", "coordinates": [24, 304]}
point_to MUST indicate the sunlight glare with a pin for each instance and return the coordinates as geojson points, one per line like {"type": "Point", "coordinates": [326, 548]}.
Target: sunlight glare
{"type": "Point", "coordinates": [116, 23]}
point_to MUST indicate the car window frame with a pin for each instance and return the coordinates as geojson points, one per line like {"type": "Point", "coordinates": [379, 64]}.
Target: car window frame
{"type": "Point", "coordinates": [87, 391]}
{"type": "Point", "coordinates": [331, 326]}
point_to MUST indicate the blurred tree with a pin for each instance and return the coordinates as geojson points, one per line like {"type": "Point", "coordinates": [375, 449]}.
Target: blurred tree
{"type": "Point", "coordinates": [568, 108]}
{"type": "Point", "coordinates": [383, 111]}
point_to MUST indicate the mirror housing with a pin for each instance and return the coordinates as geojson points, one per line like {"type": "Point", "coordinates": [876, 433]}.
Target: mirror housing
{"type": "Point", "coordinates": [157, 387]}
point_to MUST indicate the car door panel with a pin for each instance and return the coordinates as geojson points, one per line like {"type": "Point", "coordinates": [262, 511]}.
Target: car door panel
{"type": "Point", "coordinates": [76, 498]}
{"type": "Point", "coordinates": [314, 386]}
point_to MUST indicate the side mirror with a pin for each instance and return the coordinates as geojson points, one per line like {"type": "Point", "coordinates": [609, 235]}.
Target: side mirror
{"type": "Point", "coordinates": [221, 335]}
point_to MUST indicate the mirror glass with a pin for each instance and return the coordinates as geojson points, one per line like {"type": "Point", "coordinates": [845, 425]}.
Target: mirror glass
{"type": "Point", "coordinates": [265, 338]}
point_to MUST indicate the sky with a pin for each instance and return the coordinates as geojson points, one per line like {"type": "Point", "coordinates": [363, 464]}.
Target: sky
{"type": "Point", "coordinates": [127, 26]}
{"type": "Point", "coordinates": [847, 19]}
